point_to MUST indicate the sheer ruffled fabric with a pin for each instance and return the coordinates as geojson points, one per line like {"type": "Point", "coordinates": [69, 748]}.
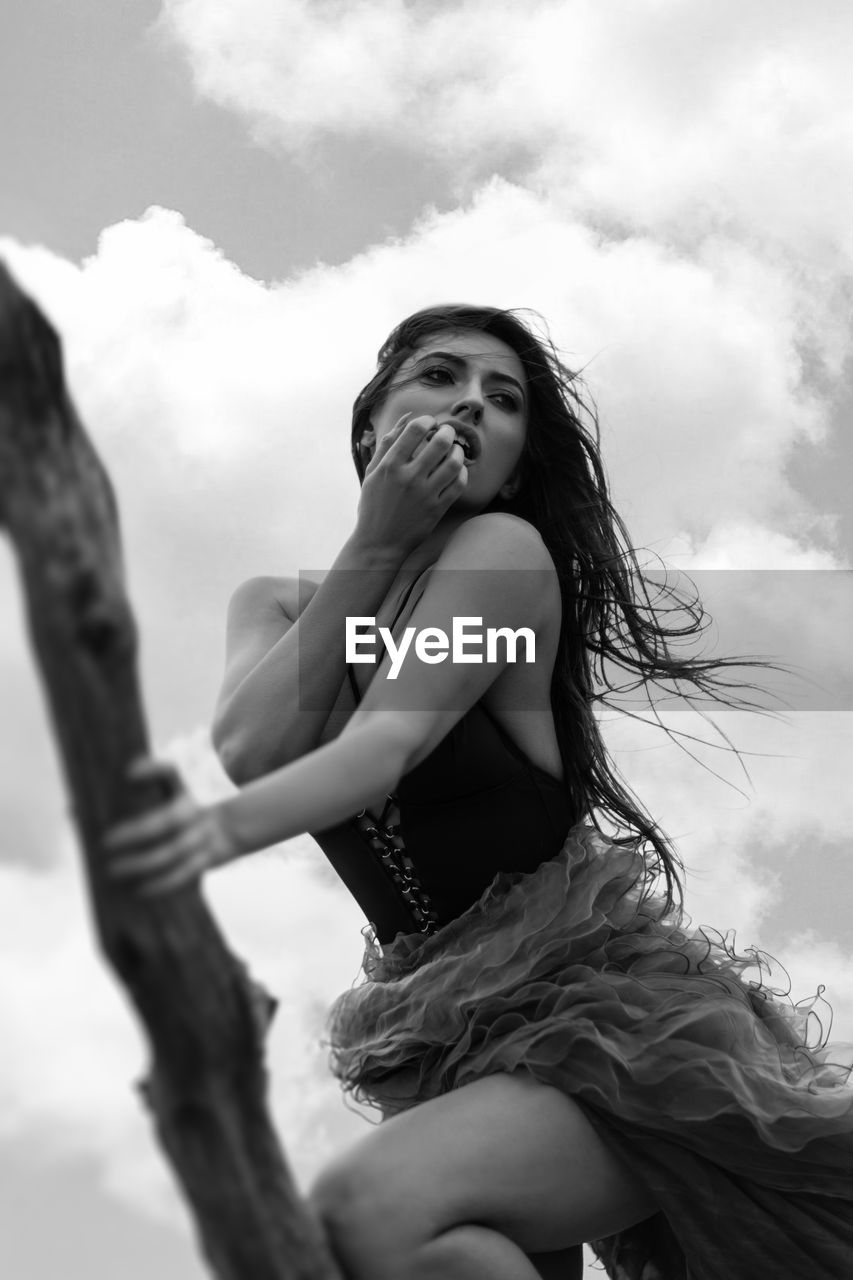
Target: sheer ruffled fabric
{"type": "Point", "coordinates": [717, 1091]}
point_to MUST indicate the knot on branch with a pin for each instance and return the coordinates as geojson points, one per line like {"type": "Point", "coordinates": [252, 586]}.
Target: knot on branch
{"type": "Point", "coordinates": [103, 626]}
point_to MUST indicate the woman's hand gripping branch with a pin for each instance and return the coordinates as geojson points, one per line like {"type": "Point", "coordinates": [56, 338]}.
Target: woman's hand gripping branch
{"type": "Point", "coordinates": [171, 845]}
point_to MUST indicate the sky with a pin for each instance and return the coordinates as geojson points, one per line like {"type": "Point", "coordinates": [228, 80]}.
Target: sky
{"type": "Point", "coordinates": [224, 207]}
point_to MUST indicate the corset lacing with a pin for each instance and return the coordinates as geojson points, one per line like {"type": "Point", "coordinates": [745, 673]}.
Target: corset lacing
{"type": "Point", "coordinates": [383, 836]}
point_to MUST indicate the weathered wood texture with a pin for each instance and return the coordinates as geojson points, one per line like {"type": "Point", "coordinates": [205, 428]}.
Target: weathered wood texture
{"type": "Point", "coordinates": [204, 1017]}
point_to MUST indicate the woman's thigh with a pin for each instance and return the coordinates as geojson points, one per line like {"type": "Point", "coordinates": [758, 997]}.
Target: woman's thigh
{"type": "Point", "coordinates": [505, 1152]}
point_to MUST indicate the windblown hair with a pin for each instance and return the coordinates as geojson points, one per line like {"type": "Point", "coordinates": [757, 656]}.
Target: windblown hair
{"type": "Point", "coordinates": [615, 616]}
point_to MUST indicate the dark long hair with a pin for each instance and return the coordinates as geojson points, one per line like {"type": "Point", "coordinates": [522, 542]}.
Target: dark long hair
{"type": "Point", "coordinates": [616, 618]}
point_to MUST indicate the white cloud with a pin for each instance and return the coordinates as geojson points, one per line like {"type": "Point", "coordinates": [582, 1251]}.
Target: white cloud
{"type": "Point", "coordinates": [754, 843]}
{"type": "Point", "coordinates": [667, 113]}
{"type": "Point", "coordinates": [737, 543]}
{"type": "Point", "coordinates": [226, 401]}
{"type": "Point", "coordinates": [685, 174]}
{"type": "Point", "coordinates": [683, 217]}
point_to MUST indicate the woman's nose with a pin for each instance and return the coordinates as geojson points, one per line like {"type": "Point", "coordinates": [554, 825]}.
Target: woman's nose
{"type": "Point", "coordinates": [469, 405]}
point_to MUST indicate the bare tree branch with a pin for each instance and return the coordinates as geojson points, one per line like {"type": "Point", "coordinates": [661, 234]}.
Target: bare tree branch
{"type": "Point", "coordinates": [205, 1018]}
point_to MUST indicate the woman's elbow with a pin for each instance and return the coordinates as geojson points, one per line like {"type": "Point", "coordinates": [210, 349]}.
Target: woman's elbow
{"type": "Point", "coordinates": [234, 760]}
{"type": "Point", "coordinates": [245, 756]}
{"type": "Point", "coordinates": [236, 754]}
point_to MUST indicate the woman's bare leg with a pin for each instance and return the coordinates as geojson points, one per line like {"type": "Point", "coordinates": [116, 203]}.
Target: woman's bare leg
{"type": "Point", "coordinates": [475, 1184]}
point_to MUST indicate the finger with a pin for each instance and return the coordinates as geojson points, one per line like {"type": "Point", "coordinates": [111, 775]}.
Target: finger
{"type": "Point", "coordinates": [448, 471]}
{"type": "Point", "coordinates": [141, 766]}
{"type": "Point", "coordinates": [444, 450]}
{"type": "Point", "coordinates": [146, 767]}
{"type": "Point", "coordinates": [452, 463]}
{"type": "Point", "coordinates": [128, 865]}
{"type": "Point", "coordinates": [390, 438]}
{"type": "Point", "coordinates": [151, 827]}
{"type": "Point", "coordinates": [177, 878]}
{"type": "Point", "coordinates": [137, 866]}
{"type": "Point", "coordinates": [434, 444]}
{"type": "Point", "coordinates": [455, 485]}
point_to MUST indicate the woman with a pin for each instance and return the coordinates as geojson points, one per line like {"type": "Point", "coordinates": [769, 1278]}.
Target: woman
{"type": "Point", "coordinates": [557, 1056]}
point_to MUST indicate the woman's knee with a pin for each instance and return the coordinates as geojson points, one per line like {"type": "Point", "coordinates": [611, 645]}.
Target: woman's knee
{"type": "Point", "coordinates": [334, 1194]}
{"type": "Point", "coordinates": [356, 1210]}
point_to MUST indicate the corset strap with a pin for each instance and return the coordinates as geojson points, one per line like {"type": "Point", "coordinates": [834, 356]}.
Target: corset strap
{"type": "Point", "coordinates": [383, 837]}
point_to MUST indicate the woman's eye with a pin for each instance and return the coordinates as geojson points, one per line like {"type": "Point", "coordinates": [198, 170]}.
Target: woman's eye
{"type": "Point", "coordinates": [438, 373]}
{"type": "Point", "coordinates": [441, 375]}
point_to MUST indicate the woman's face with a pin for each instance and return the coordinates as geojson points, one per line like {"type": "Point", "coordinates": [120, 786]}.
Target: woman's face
{"type": "Point", "coordinates": [477, 383]}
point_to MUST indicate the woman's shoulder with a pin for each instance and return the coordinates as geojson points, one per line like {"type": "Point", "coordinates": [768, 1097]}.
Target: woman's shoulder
{"type": "Point", "coordinates": [496, 539]}
{"type": "Point", "coordinates": [507, 571]}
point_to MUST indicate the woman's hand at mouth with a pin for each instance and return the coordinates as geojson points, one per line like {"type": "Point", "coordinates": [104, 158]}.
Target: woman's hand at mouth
{"type": "Point", "coordinates": [171, 845]}
{"type": "Point", "coordinates": [416, 473]}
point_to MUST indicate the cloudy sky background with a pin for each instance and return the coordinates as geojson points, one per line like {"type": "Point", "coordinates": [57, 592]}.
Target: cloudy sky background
{"type": "Point", "coordinates": [224, 207]}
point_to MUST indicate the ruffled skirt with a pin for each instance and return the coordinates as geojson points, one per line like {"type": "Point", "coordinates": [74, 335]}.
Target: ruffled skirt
{"type": "Point", "coordinates": [718, 1093]}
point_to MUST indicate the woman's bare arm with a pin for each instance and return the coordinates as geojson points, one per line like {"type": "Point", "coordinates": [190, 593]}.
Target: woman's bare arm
{"type": "Point", "coordinates": [283, 671]}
